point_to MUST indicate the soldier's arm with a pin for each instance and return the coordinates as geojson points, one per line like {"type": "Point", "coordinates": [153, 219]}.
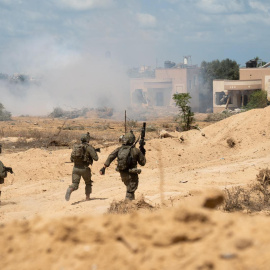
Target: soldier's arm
{"type": "Point", "coordinates": [92, 152]}
{"type": "Point", "coordinates": [140, 157]}
{"type": "Point", "coordinates": [111, 157]}
{"type": "Point", "coordinates": [2, 167]}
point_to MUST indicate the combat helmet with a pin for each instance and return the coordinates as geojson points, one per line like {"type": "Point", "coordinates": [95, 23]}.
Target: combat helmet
{"type": "Point", "coordinates": [85, 137]}
{"type": "Point", "coordinates": [129, 138]}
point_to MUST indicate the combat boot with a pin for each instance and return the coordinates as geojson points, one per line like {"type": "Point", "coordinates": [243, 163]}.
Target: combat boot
{"type": "Point", "coordinates": [68, 193]}
{"type": "Point", "coordinates": [130, 196]}
{"type": "Point", "coordinates": [87, 197]}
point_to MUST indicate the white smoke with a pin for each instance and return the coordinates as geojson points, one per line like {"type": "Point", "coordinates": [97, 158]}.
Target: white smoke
{"type": "Point", "coordinates": [65, 80]}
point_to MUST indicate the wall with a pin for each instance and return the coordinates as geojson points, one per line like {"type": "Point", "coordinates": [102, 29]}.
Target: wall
{"type": "Point", "coordinates": [239, 92]}
{"type": "Point", "coordinates": [254, 74]}
{"type": "Point", "coordinates": [167, 81]}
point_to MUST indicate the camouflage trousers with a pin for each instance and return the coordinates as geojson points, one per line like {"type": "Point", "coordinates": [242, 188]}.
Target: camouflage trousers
{"type": "Point", "coordinates": [2, 180]}
{"type": "Point", "coordinates": [131, 182]}
{"type": "Point", "coordinates": [85, 173]}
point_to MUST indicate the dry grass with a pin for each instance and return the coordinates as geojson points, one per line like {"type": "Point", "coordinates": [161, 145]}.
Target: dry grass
{"type": "Point", "coordinates": [254, 198]}
{"type": "Point", "coordinates": [26, 132]}
{"type": "Point", "coordinates": [126, 206]}
{"type": "Point", "coordinates": [215, 117]}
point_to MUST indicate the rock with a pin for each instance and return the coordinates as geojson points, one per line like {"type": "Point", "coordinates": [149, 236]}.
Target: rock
{"type": "Point", "coordinates": [243, 243]}
{"type": "Point", "coordinates": [165, 134]}
{"type": "Point", "coordinates": [212, 199]}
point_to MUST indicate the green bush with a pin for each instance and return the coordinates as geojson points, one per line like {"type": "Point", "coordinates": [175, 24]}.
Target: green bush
{"type": "Point", "coordinates": [186, 116]}
{"type": "Point", "coordinates": [258, 99]}
{"type": "Point", "coordinates": [4, 115]}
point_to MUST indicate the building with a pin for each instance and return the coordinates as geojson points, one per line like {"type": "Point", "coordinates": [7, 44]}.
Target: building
{"type": "Point", "coordinates": [158, 89]}
{"type": "Point", "coordinates": [233, 94]}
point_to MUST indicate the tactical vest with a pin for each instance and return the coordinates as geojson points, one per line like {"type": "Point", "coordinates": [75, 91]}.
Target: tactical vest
{"type": "Point", "coordinates": [124, 158]}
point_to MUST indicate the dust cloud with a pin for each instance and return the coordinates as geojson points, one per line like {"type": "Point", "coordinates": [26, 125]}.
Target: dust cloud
{"type": "Point", "coordinates": [61, 78]}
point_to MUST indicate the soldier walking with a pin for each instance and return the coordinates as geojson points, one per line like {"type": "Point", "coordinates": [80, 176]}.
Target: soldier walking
{"type": "Point", "coordinates": [82, 155]}
{"type": "Point", "coordinates": [127, 158]}
{"type": "Point", "coordinates": [3, 171]}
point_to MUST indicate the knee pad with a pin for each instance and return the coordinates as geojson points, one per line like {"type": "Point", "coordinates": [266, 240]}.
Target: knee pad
{"type": "Point", "coordinates": [74, 186]}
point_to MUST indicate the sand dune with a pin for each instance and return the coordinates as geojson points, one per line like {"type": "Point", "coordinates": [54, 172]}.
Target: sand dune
{"type": "Point", "coordinates": [42, 231]}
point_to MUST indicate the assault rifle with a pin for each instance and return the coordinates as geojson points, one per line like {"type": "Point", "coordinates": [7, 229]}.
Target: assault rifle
{"type": "Point", "coordinates": [142, 142]}
{"type": "Point", "coordinates": [8, 169]}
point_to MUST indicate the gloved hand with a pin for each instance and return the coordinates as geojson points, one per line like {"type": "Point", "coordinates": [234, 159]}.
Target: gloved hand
{"type": "Point", "coordinates": [8, 169]}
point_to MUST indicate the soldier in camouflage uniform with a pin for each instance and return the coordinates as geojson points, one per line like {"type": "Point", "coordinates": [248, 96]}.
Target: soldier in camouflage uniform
{"type": "Point", "coordinates": [130, 175]}
{"type": "Point", "coordinates": [81, 168]}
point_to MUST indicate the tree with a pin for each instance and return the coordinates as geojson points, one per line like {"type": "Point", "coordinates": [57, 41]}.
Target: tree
{"type": "Point", "coordinates": [259, 61]}
{"type": "Point", "coordinates": [226, 70]}
{"type": "Point", "coordinates": [258, 99]}
{"type": "Point", "coordinates": [57, 113]}
{"type": "Point", "coordinates": [186, 115]}
{"type": "Point", "coordinates": [4, 115]}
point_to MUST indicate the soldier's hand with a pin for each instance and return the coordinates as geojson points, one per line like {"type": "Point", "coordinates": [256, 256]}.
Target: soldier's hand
{"type": "Point", "coordinates": [8, 169]}
{"type": "Point", "coordinates": [102, 171]}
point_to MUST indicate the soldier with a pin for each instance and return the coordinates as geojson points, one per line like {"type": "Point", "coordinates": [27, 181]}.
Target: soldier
{"type": "Point", "coordinates": [127, 158]}
{"type": "Point", "coordinates": [3, 171]}
{"type": "Point", "coordinates": [82, 155]}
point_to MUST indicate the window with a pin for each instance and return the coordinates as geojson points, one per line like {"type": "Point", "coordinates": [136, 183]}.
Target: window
{"type": "Point", "coordinates": [138, 97]}
{"type": "Point", "coordinates": [221, 98]}
{"type": "Point", "coordinates": [160, 98]}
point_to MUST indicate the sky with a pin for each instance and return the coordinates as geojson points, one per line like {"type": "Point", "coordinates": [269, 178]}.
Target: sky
{"type": "Point", "coordinates": [65, 43]}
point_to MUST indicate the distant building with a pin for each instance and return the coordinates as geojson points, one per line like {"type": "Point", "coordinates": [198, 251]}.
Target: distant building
{"type": "Point", "coordinates": [158, 87]}
{"type": "Point", "coordinates": [232, 94]}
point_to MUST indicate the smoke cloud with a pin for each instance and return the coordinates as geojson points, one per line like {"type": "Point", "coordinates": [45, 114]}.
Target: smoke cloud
{"type": "Point", "coordinates": [60, 78]}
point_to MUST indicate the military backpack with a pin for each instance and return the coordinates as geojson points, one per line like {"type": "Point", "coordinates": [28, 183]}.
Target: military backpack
{"type": "Point", "coordinates": [78, 152]}
{"type": "Point", "coordinates": [124, 158]}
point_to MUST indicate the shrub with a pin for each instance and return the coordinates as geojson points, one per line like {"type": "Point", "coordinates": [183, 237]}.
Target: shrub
{"type": "Point", "coordinates": [214, 117]}
{"type": "Point", "coordinates": [57, 113]}
{"type": "Point", "coordinates": [231, 142]}
{"type": "Point", "coordinates": [125, 207]}
{"type": "Point", "coordinates": [186, 116]}
{"type": "Point", "coordinates": [258, 99]}
{"type": "Point", "coordinates": [132, 123]}
{"type": "Point", "coordinates": [4, 115]}
{"type": "Point", "coordinates": [255, 197]}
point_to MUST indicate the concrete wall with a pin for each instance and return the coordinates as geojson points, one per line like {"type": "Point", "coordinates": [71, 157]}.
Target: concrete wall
{"type": "Point", "coordinates": [178, 77]}
{"type": "Point", "coordinates": [254, 74]}
{"type": "Point", "coordinates": [159, 90]}
{"type": "Point", "coordinates": [239, 92]}
{"type": "Point", "coordinates": [267, 86]}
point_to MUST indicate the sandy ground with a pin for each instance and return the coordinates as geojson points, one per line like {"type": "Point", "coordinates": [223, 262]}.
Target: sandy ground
{"type": "Point", "coordinates": [40, 230]}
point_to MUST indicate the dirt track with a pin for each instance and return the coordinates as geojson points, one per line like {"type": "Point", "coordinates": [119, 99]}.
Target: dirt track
{"type": "Point", "coordinates": [175, 173]}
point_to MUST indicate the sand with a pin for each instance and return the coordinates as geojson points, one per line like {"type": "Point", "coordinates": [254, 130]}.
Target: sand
{"type": "Point", "coordinates": [40, 230]}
